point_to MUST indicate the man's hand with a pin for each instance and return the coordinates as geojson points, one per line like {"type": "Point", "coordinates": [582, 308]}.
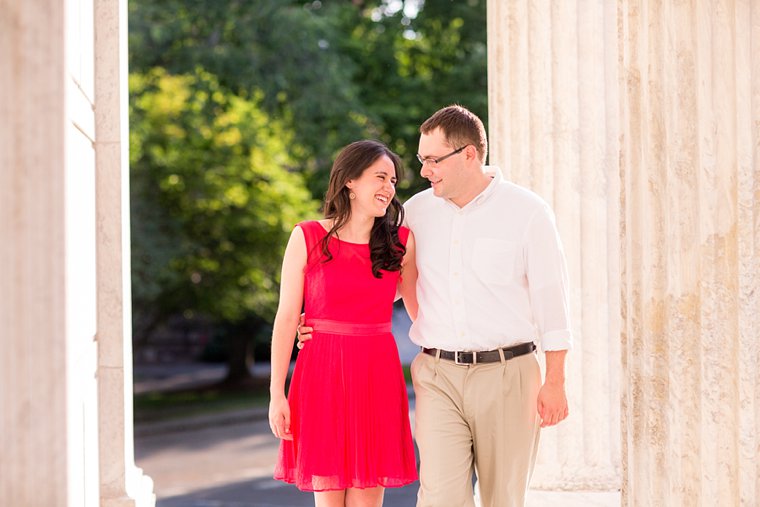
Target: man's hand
{"type": "Point", "coordinates": [304, 332]}
{"type": "Point", "coordinates": [552, 404]}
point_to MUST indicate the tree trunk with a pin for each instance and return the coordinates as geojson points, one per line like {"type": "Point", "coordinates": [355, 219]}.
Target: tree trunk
{"type": "Point", "coordinates": [240, 358]}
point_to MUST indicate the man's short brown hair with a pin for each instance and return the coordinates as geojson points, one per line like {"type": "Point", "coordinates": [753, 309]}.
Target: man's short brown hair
{"type": "Point", "coordinates": [460, 127]}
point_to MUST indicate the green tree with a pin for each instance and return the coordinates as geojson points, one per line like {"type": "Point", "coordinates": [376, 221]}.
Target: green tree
{"type": "Point", "coordinates": [221, 157]}
{"type": "Point", "coordinates": [333, 71]}
{"type": "Point", "coordinates": [282, 48]}
{"type": "Point", "coordinates": [214, 197]}
{"type": "Point", "coordinates": [410, 66]}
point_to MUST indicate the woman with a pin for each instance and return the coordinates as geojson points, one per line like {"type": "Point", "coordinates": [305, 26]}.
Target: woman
{"type": "Point", "coordinates": [345, 425]}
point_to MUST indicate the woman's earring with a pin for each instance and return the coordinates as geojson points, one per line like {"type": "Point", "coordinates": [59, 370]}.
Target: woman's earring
{"type": "Point", "coordinates": [351, 195]}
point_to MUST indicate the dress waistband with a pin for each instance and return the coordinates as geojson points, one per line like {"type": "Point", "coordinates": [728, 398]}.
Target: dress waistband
{"type": "Point", "coordinates": [343, 327]}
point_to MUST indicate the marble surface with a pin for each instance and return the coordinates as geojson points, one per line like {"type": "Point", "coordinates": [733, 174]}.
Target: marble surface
{"type": "Point", "coordinates": [554, 128]}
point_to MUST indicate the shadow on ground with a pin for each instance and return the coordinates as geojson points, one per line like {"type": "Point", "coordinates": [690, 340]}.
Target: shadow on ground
{"type": "Point", "coordinates": [265, 492]}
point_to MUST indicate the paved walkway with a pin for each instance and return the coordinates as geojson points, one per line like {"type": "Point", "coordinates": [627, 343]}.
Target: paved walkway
{"type": "Point", "coordinates": [227, 459]}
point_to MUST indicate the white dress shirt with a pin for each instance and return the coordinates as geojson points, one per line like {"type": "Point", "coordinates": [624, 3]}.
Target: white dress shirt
{"type": "Point", "coordinates": [491, 274]}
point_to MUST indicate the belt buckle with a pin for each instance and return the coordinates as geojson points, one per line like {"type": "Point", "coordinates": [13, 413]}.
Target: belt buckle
{"type": "Point", "coordinates": [462, 363]}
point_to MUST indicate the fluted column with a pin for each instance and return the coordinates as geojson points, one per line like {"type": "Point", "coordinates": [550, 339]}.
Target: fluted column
{"type": "Point", "coordinates": [554, 127]}
{"type": "Point", "coordinates": [690, 164]}
{"type": "Point", "coordinates": [122, 484]}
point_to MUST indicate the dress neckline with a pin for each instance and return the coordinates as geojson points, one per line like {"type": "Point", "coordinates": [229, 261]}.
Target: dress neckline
{"type": "Point", "coordinates": [337, 238]}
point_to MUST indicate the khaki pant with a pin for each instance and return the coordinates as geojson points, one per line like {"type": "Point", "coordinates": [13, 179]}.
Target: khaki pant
{"type": "Point", "coordinates": [478, 418]}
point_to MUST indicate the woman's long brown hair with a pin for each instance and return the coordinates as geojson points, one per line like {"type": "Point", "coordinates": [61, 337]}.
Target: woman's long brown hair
{"type": "Point", "coordinates": [385, 247]}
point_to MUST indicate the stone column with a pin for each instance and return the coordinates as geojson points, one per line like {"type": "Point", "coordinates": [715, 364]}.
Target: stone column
{"type": "Point", "coordinates": [121, 482]}
{"type": "Point", "coordinates": [554, 127]}
{"type": "Point", "coordinates": [48, 385]}
{"type": "Point", "coordinates": [690, 164]}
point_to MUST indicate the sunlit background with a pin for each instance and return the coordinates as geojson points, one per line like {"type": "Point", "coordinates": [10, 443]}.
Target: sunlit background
{"type": "Point", "coordinates": [634, 119]}
{"type": "Point", "coordinates": [237, 110]}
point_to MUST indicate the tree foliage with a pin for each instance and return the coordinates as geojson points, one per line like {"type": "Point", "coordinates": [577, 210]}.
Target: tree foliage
{"type": "Point", "coordinates": [409, 67]}
{"type": "Point", "coordinates": [237, 111]}
{"type": "Point", "coordinates": [280, 47]}
{"type": "Point", "coordinates": [213, 199]}
{"type": "Point", "coordinates": [334, 71]}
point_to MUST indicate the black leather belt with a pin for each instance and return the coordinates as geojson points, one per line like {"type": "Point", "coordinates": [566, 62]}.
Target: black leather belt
{"type": "Point", "coordinates": [487, 356]}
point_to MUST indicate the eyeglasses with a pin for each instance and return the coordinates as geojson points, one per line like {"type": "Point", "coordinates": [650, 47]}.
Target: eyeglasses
{"type": "Point", "coordinates": [435, 161]}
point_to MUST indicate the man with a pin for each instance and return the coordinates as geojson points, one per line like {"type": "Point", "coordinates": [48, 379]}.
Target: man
{"type": "Point", "coordinates": [491, 280]}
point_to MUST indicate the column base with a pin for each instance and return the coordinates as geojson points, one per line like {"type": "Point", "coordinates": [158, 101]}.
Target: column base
{"type": "Point", "coordinates": [139, 492]}
{"type": "Point", "coordinates": [575, 479]}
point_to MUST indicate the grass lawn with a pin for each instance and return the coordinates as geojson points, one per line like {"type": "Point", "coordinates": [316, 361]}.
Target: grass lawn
{"type": "Point", "coordinates": [212, 399]}
{"type": "Point", "coordinates": [161, 406]}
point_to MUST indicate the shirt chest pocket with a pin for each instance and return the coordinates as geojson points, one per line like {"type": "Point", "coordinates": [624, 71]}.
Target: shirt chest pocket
{"type": "Point", "coordinates": [493, 260]}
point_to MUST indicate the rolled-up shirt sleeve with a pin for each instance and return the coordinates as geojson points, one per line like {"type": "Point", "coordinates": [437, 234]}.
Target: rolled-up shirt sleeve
{"type": "Point", "coordinates": [548, 282]}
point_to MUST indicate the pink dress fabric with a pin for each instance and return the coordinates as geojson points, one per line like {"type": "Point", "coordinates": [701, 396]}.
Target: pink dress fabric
{"type": "Point", "coordinates": [348, 403]}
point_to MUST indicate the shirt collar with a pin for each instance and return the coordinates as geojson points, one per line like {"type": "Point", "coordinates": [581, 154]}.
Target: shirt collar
{"type": "Point", "coordinates": [496, 178]}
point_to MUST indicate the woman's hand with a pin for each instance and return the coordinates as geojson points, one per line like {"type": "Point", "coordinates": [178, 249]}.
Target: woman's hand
{"type": "Point", "coordinates": [279, 417]}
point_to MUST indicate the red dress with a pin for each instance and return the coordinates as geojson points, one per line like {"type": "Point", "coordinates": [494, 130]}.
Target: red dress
{"type": "Point", "coordinates": [349, 413]}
